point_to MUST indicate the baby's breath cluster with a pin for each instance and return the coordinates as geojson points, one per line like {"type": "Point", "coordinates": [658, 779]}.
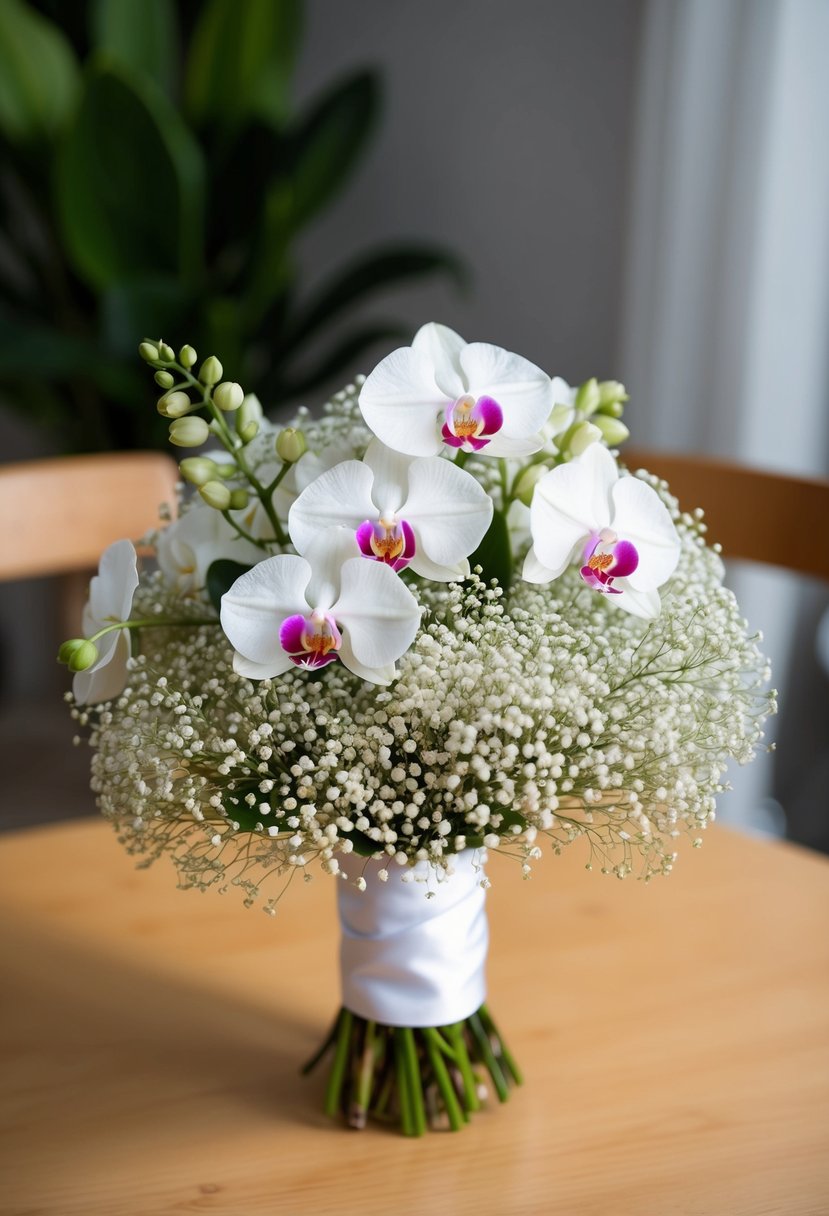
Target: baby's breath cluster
{"type": "Point", "coordinates": [543, 715]}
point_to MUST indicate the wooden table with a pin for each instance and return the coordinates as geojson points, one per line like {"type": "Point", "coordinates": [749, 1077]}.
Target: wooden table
{"type": "Point", "coordinates": [675, 1036]}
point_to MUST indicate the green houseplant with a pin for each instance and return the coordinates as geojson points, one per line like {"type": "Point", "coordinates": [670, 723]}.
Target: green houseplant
{"type": "Point", "coordinates": [155, 175]}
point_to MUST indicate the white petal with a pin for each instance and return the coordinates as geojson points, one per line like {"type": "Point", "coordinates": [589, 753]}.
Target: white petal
{"type": "Point", "coordinates": [511, 446]}
{"type": "Point", "coordinates": [644, 604]}
{"type": "Point", "coordinates": [326, 553]}
{"type": "Point", "coordinates": [107, 679]}
{"type": "Point", "coordinates": [570, 502]}
{"type": "Point", "coordinates": [188, 546]}
{"type": "Point", "coordinates": [112, 588]}
{"type": "Point", "coordinates": [391, 477]}
{"type": "Point", "coordinates": [562, 393]}
{"type": "Point", "coordinates": [448, 509]}
{"type": "Point", "coordinates": [400, 402]}
{"type": "Point", "coordinates": [377, 610]}
{"type": "Point", "coordinates": [426, 568]}
{"type": "Point", "coordinates": [259, 601]}
{"type": "Point", "coordinates": [535, 571]}
{"type": "Point", "coordinates": [520, 388]}
{"type": "Point", "coordinates": [374, 675]}
{"type": "Point", "coordinates": [443, 348]}
{"type": "Point", "coordinates": [641, 516]}
{"type": "Point", "coordinates": [339, 498]}
{"type": "Point", "coordinates": [279, 664]}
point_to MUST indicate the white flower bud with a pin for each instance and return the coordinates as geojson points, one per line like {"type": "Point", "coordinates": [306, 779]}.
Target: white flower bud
{"type": "Point", "coordinates": [611, 391]}
{"type": "Point", "coordinates": [211, 370]}
{"type": "Point", "coordinates": [291, 444]}
{"type": "Point", "coordinates": [583, 435]}
{"type": "Point", "coordinates": [587, 397]}
{"type": "Point", "coordinates": [228, 395]}
{"type": "Point", "coordinates": [528, 479]}
{"type": "Point", "coordinates": [613, 431]}
{"type": "Point", "coordinates": [215, 495]}
{"type": "Point", "coordinates": [198, 470]}
{"type": "Point", "coordinates": [175, 405]}
{"type": "Point", "coordinates": [187, 356]}
{"type": "Point", "coordinates": [189, 432]}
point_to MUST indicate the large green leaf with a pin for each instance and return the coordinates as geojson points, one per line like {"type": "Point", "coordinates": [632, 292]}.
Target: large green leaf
{"type": "Point", "coordinates": [38, 75]}
{"type": "Point", "coordinates": [130, 183]}
{"type": "Point", "coordinates": [221, 575]}
{"type": "Point", "coordinates": [385, 268]}
{"type": "Point", "coordinates": [140, 34]}
{"type": "Point", "coordinates": [30, 348]}
{"type": "Point", "coordinates": [241, 61]}
{"type": "Point", "coordinates": [159, 305]}
{"type": "Point", "coordinates": [494, 554]}
{"type": "Point", "coordinates": [327, 144]}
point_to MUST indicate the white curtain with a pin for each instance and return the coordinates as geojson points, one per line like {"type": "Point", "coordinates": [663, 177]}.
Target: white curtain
{"type": "Point", "coordinates": [726, 309]}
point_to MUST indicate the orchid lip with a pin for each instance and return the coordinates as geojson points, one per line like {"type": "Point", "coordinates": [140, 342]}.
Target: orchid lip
{"type": "Point", "coordinates": [470, 423]}
{"type": "Point", "coordinates": [390, 541]}
{"type": "Point", "coordinates": [310, 641]}
{"type": "Point", "coordinates": [608, 558]}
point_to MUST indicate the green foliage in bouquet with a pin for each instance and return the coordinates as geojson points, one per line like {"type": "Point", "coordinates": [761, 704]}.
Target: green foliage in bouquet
{"type": "Point", "coordinates": [155, 176]}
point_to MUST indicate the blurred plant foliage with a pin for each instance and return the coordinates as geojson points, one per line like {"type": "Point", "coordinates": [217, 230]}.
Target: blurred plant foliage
{"type": "Point", "coordinates": [154, 180]}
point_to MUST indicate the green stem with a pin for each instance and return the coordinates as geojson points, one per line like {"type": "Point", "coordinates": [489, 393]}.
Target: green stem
{"type": "Point", "coordinates": [311, 1064]}
{"type": "Point", "coordinates": [415, 1088]}
{"type": "Point", "coordinates": [488, 1056]}
{"type": "Point", "coordinates": [152, 622]}
{"type": "Point", "coordinates": [491, 1029]}
{"type": "Point", "coordinates": [447, 1091]}
{"type": "Point", "coordinates": [406, 1114]}
{"type": "Point", "coordinates": [464, 1065]}
{"type": "Point", "coordinates": [338, 1068]}
{"type": "Point", "coordinates": [260, 544]}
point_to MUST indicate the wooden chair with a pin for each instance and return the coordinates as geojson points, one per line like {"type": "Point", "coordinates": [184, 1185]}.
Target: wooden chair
{"type": "Point", "coordinates": [60, 514]}
{"type": "Point", "coordinates": [57, 517]}
{"type": "Point", "coordinates": [772, 518]}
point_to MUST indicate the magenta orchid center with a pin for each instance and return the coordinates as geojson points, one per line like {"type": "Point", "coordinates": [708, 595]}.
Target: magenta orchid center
{"type": "Point", "coordinates": [471, 423]}
{"type": "Point", "coordinates": [387, 540]}
{"type": "Point", "coordinates": [310, 641]}
{"type": "Point", "coordinates": [608, 558]}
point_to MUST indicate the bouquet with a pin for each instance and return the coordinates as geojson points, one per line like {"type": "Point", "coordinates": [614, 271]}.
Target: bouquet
{"type": "Point", "coordinates": [439, 620]}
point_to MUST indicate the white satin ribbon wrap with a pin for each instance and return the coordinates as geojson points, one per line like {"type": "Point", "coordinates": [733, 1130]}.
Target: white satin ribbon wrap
{"type": "Point", "coordinates": [409, 960]}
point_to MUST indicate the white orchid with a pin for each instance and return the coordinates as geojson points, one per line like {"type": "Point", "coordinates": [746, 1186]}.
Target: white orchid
{"type": "Point", "coordinates": [308, 611]}
{"type": "Point", "coordinates": [563, 413]}
{"type": "Point", "coordinates": [187, 548]}
{"type": "Point", "coordinates": [421, 512]}
{"type": "Point", "coordinates": [617, 526]}
{"type": "Point", "coordinates": [110, 601]}
{"type": "Point", "coordinates": [442, 391]}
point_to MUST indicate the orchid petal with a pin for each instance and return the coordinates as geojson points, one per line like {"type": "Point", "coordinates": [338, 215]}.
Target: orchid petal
{"type": "Point", "coordinates": [641, 516]}
{"type": "Point", "coordinates": [258, 602]}
{"type": "Point", "coordinates": [341, 497]}
{"type": "Point", "coordinates": [426, 568]}
{"type": "Point", "coordinates": [644, 604]}
{"type": "Point", "coordinates": [443, 347]}
{"type": "Point", "coordinates": [520, 388]}
{"type": "Point", "coordinates": [112, 588]}
{"type": "Point", "coordinates": [377, 611]}
{"type": "Point", "coordinates": [107, 678]}
{"type": "Point", "coordinates": [535, 571]}
{"type": "Point", "coordinates": [279, 664]}
{"type": "Point", "coordinates": [391, 477]}
{"type": "Point", "coordinates": [400, 402]}
{"type": "Point", "coordinates": [326, 554]}
{"type": "Point", "coordinates": [514, 446]}
{"type": "Point", "coordinates": [448, 510]}
{"type": "Point", "coordinates": [374, 675]}
{"type": "Point", "coordinates": [571, 502]}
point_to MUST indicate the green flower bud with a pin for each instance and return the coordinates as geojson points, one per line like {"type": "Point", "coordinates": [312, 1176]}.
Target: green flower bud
{"type": "Point", "coordinates": [239, 499]}
{"type": "Point", "coordinates": [187, 356]}
{"type": "Point", "coordinates": [291, 444]}
{"type": "Point", "coordinates": [611, 391]}
{"type": "Point", "coordinates": [215, 495]}
{"type": "Point", "coordinates": [226, 469]}
{"type": "Point", "coordinates": [164, 380]}
{"type": "Point", "coordinates": [189, 432]}
{"type": "Point", "coordinates": [228, 395]}
{"type": "Point", "coordinates": [80, 654]}
{"type": "Point", "coordinates": [246, 433]}
{"type": "Point", "coordinates": [583, 435]}
{"type": "Point", "coordinates": [149, 352]}
{"type": "Point", "coordinates": [198, 470]}
{"type": "Point", "coordinates": [166, 353]}
{"type": "Point", "coordinates": [613, 431]}
{"type": "Point", "coordinates": [528, 479]}
{"type": "Point", "coordinates": [175, 405]}
{"type": "Point", "coordinates": [587, 397]}
{"type": "Point", "coordinates": [211, 371]}
{"type": "Point", "coordinates": [613, 409]}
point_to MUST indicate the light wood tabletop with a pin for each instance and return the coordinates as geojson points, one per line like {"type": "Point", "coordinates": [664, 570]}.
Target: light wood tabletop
{"type": "Point", "coordinates": [675, 1039]}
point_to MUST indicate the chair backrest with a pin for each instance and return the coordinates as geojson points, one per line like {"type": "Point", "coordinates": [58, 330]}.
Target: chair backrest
{"type": "Point", "coordinates": [760, 516]}
{"type": "Point", "coordinates": [60, 514]}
